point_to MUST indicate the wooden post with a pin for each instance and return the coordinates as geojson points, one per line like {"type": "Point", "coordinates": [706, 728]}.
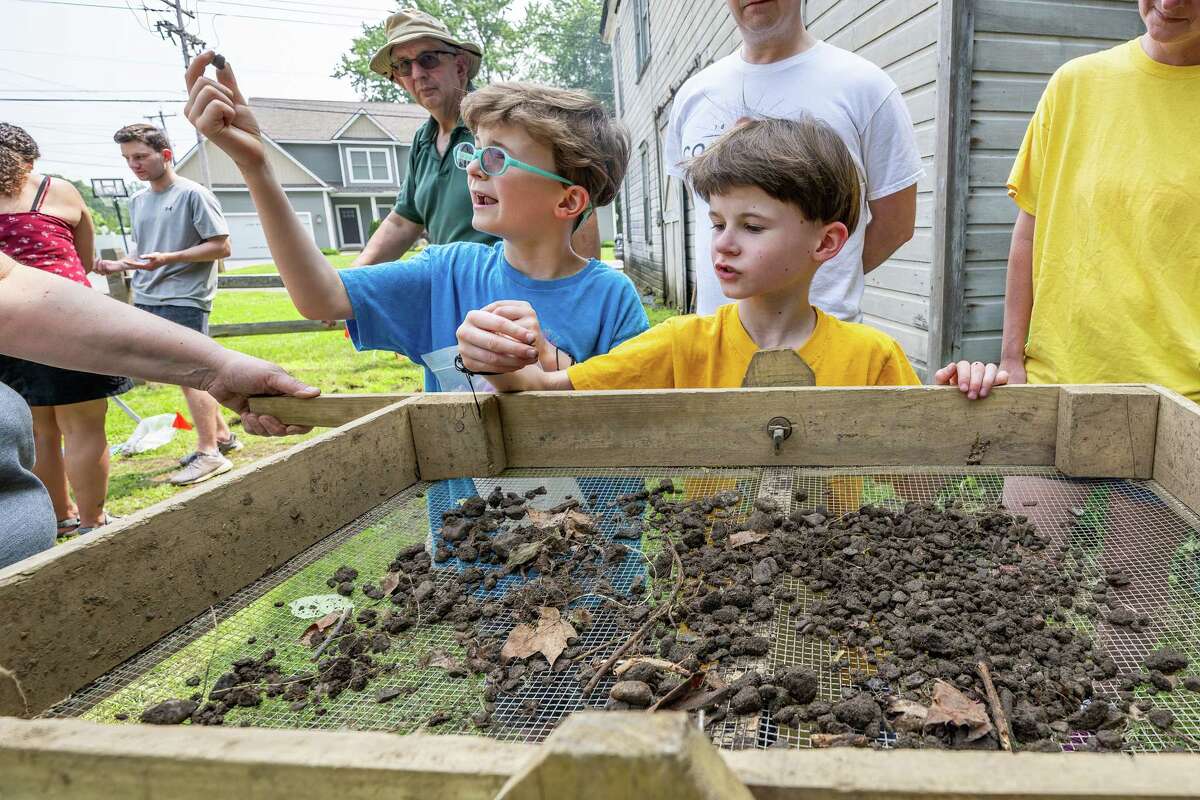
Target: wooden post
{"type": "Point", "coordinates": [626, 755]}
{"type": "Point", "coordinates": [956, 55]}
{"type": "Point", "coordinates": [458, 435]}
{"type": "Point", "coordinates": [1177, 448]}
{"type": "Point", "coordinates": [1106, 431]}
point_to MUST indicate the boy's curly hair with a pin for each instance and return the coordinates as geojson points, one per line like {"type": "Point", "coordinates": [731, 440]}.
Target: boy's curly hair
{"type": "Point", "coordinates": [799, 161]}
{"type": "Point", "coordinates": [18, 151]}
{"type": "Point", "coordinates": [590, 149]}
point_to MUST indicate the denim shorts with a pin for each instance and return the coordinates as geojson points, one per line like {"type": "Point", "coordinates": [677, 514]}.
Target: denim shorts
{"type": "Point", "coordinates": [187, 316]}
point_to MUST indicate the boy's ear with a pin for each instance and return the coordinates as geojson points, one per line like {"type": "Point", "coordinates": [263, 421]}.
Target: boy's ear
{"type": "Point", "coordinates": [574, 202]}
{"type": "Point", "coordinates": [167, 155]}
{"type": "Point", "coordinates": [833, 238]}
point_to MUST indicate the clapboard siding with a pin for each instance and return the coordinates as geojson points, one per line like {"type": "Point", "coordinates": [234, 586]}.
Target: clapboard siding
{"type": "Point", "coordinates": [1017, 45]}
{"type": "Point", "coordinates": [901, 37]}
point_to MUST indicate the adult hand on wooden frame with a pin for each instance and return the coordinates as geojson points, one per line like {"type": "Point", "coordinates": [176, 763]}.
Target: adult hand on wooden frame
{"type": "Point", "coordinates": [98, 334]}
{"type": "Point", "coordinates": [219, 111]}
{"type": "Point", "coordinates": [238, 377]}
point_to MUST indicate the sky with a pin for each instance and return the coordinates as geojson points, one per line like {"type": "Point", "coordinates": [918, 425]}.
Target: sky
{"type": "Point", "coordinates": [108, 49]}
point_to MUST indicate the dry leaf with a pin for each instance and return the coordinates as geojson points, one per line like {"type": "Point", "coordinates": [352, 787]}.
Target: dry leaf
{"type": "Point", "coordinates": [320, 626]}
{"type": "Point", "coordinates": [440, 658]}
{"type": "Point", "coordinates": [909, 715]}
{"type": "Point", "coordinates": [820, 740]}
{"type": "Point", "coordinates": [575, 521]}
{"type": "Point", "coordinates": [389, 583]}
{"type": "Point", "coordinates": [549, 637]}
{"type": "Point", "coordinates": [952, 707]}
{"type": "Point", "coordinates": [581, 618]}
{"type": "Point", "coordinates": [524, 554]}
{"type": "Point", "coordinates": [746, 537]}
{"type": "Point", "coordinates": [718, 690]}
{"type": "Point", "coordinates": [571, 521]}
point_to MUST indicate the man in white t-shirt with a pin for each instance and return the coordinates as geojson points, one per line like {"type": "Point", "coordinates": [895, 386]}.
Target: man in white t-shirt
{"type": "Point", "coordinates": [783, 71]}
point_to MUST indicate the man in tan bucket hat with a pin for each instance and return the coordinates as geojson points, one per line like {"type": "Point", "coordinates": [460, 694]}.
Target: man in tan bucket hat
{"type": "Point", "coordinates": [435, 68]}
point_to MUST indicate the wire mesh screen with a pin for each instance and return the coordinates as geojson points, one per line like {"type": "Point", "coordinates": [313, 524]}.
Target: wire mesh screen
{"type": "Point", "coordinates": [1105, 524]}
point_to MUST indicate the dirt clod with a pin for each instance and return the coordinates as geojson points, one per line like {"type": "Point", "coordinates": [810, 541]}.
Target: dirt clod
{"type": "Point", "coordinates": [169, 712]}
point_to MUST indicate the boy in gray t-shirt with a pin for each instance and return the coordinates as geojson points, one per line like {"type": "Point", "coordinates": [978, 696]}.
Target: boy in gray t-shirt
{"type": "Point", "coordinates": [180, 234]}
{"type": "Point", "coordinates": [181, 216]}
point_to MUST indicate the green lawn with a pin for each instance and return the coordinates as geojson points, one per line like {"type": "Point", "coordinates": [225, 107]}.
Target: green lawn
{"type": "Point", "coordinates": [324, 359]}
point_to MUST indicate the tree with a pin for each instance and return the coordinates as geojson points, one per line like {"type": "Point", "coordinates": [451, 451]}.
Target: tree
{"type": "Point", "coordinates": [565, 36]}
{"type": "Point", "coordinates": [484, 22]}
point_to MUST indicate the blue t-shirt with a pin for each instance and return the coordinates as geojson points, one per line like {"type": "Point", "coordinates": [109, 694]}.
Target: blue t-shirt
{"type": "Point", "coordinates": [414, 307]}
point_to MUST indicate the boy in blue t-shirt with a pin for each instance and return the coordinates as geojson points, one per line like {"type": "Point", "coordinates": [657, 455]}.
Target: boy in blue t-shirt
{"type": "Point", "coordinates": [543, 158]}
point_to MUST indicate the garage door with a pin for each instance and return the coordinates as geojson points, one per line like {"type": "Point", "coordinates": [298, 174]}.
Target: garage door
{"type": "Point", "coordinates": [246, 236]}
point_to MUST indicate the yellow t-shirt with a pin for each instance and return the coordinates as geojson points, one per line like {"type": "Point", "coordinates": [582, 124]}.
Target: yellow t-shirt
{"type": "Point", "coordinates": [713, 352]}
{"type": "Point", "coordinates": [1110, 167]}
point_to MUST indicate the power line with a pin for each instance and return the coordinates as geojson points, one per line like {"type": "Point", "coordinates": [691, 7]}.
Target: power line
{"type": "Point", "coordinates": [210, 13]}
{"type": "Point", "coordinates": [90, 57]}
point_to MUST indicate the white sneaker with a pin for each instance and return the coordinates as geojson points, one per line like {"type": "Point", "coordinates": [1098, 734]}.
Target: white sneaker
{"type": "Point", "coordinates": [201, 468]}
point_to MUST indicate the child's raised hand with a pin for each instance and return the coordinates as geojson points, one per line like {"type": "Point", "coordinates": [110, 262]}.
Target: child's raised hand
{"type": "Point", "coordinates": [975, 379]}
{"type": "Point", "coordinates": [219, 111]}
{"type": "Point", "coordinates": [498, 337]}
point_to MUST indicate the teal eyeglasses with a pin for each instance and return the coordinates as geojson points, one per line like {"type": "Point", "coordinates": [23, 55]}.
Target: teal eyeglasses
{"type": "Point", "coordinates": [495, 161]}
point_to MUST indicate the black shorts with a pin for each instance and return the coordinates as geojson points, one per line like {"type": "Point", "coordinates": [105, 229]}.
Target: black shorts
{"type": "Point", "coordinates": [187, 316]}
{"type": "Point", "coordinates": [41, 385]}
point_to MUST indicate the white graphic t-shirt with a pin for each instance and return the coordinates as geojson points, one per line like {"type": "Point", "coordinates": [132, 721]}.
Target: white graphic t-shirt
{"type": "Point", "coordinates": [850, 93]}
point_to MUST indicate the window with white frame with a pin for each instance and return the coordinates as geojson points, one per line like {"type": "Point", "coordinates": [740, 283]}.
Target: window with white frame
{"type": "Point", "coordinates": [369, 165]}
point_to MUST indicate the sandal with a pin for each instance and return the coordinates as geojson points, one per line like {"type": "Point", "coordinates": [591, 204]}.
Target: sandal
{"type": "Point", "coordinates": [108, 519]}
{"type": "Point", "coordinates": [68, 525]}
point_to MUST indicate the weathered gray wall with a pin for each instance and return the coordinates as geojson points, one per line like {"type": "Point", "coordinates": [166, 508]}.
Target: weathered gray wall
{"type": "Point", "coordinates": [901, 37]}
{"type": "Point", "coordinates": [1017, 45]}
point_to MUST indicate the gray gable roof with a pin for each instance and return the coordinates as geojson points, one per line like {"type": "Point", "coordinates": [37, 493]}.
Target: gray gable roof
{"type": "Point", "coordinates": [286, 119]}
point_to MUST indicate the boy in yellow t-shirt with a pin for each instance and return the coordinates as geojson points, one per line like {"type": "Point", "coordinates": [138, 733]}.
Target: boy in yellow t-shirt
{"type": "Point", "coordinates": [784, 198]}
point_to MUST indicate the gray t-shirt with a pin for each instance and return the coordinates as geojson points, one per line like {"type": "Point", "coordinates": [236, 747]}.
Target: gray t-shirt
{"type": "Point", "coordinates": [26, 515]}
{"type": "Point", "coordinates": [182, 216]}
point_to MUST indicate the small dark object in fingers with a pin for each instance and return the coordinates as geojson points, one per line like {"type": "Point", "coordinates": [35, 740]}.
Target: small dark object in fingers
{"type": "Point", "coordinates": [218, 61]}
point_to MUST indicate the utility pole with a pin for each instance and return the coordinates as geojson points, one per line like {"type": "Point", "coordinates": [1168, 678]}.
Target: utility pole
{"type": "Point", "coordinates": [161, 117]}
{"type": "Point", "coordinates": [187, 42]}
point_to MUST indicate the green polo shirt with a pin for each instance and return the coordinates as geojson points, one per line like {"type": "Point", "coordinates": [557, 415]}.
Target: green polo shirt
{"type": "Point", "coordinates": [434, 192]}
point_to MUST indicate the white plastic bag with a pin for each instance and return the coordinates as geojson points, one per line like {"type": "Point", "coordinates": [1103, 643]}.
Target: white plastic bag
{"type": "Point", "coordinates": [151, 433]}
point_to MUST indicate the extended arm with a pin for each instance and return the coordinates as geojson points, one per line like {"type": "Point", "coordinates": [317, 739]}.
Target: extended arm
{"type": "Point", "coordinates": [219, 111]}
{"type": "Point", "coordinates": [1018, 298]}
{"type": "Point", "coordinates": [98, 334]}
{"type": "Point", "coordinates": [892, 220]}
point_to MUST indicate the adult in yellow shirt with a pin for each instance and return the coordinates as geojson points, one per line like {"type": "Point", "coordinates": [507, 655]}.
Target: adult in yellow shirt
{"type": "Point", "coordinates": [1104, 268]}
